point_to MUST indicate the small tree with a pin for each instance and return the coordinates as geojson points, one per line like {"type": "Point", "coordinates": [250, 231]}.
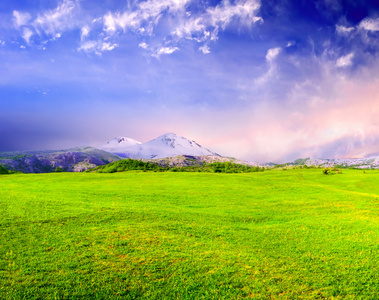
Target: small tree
{"type": "Point", "coordinates": [3, 170]}
{"type": "Point", "coordinates": [331, 171]}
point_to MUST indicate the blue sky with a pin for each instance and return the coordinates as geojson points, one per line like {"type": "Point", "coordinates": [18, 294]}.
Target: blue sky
{"type": "Point", "coordinates": [258, 80]}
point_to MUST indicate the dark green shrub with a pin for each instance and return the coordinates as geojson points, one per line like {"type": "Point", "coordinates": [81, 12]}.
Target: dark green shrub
{"type": "Point", "coordinates": [3, 170]}
{"type": "Point", "coordinates": [331, 171]}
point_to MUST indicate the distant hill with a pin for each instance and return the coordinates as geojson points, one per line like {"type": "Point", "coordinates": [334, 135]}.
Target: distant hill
{"type": "Point", "coordinates": [187, 161]}
{"type": "Point", "coordinates": [70, 160]}
{"type": "Point", "coordinates": [371, 162]}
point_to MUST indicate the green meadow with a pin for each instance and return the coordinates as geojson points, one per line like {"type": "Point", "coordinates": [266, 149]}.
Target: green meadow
{"type": "Point", "coordinates": [278, 234]}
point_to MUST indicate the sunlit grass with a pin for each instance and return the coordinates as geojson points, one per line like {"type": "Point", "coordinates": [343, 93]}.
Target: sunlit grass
{"type": "Point", "coordinates": [277, 234]}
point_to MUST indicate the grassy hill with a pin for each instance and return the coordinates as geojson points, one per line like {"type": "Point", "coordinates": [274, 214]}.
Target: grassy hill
{"type": "Point", "coordinates": [275, 234]}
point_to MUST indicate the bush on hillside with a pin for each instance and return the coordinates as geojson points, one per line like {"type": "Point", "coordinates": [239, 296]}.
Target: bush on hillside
{"type": "Point", "coordinates": [3, 170]}
{"type": "Point", "coordinates": [128, 165]}
{"type": "Point", "coordinates": [331, 171]}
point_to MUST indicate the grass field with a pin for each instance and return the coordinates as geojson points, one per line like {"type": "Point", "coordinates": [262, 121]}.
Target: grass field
{"type": "Point", "coordinates": [269, 235]}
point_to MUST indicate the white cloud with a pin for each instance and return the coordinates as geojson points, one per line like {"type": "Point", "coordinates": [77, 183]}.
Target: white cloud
{"type": "Point", "coordinates": [205, 49]}
{"type": "Point", "coordinates": [97, 20]}
{"type": "Point", "coordinates": [89, 46]}
{"type": "Point", "coordinates": [165, 51]}
{"type": "Point", "coordinates": [192, 26]}
{"type": "Point", "coordinates": [97, 47]}
{"type": "Point", "coordinates": [140, 18]}
{"type": "Point", "coordinates": [149, 11]}
{"type": "Point", "coordinates": [84, 33]}
{"type": "Point", "coordinates": [369, 24]}
{"type": "Point", "coordinates": [108, 46]}
{"type": "Point", "coordinates": [58, 19]}
{"type": "Point", "coordinates": [342, 30]}
{"type": "Point", "coordinates": [345, 61]}
{"type": "Point", "coordinates": [27, 34]}
{"type": "Point", "coordinates": [144, 17]}
{"type": "Point", "coordinates": [153, 8]}
{"type": "Point", "coordinates": [20, 18]}
{"type": "Point", "coordinates": [244, 10]}
{"type": "Point", "coordinates": [52, 23]}
{"type": "Point", "coordinates": [272, 54]}
{"type": "Point", "coordinates": [2, 43]}
{"type": "Point", "coordinates": [112, 22]}
{"type": "Point", "coordinates": [290, 44]}
{"type": "Point", "coordinates": [207, 25]}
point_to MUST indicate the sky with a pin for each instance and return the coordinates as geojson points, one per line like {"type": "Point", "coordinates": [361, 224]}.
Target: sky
{"type": "Point", "coordinates": [270, 80]}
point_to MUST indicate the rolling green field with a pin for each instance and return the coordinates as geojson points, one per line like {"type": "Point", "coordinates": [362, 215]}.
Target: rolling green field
{"type": "Point", "coordinates": [295, 234]}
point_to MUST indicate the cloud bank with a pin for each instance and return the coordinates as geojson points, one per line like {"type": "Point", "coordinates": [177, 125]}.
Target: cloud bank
{"type": "Point", "coordinates": [148, 19]}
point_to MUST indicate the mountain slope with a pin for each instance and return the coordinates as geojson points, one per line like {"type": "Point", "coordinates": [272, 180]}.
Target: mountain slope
{"type": "Point", "coordinates": [166, 145]}
{"type": "Point", "coordinates": [76, 160]}
{"type": "Point", "coordinates": [371, 162]}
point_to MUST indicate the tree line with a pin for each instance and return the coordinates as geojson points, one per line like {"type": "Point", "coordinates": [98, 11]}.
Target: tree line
{"type": "Point", "coordinates": [133, 164]}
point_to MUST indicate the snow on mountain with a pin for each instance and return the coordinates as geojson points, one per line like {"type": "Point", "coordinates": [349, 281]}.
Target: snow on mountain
{"type": "Point", "coordinates": [166, 145]}
{"type": "Point", "coordinates": [119, 144]}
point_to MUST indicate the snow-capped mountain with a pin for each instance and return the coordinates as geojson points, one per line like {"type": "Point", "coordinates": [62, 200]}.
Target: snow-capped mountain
{"type": "Point", "coordinates": [166, 145]}
{"type": "Point", "coordinates": [119, 144]}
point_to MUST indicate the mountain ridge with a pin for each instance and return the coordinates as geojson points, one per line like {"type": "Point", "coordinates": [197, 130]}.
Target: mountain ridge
{"type": "Point", "coordinates": [45, 161]}
{"type": "Point", "coordinates": [168, 149]}
{"type": "Point", "coordinates": [371, 162]}
{"type": "Point", "coordinates": [166, 145]}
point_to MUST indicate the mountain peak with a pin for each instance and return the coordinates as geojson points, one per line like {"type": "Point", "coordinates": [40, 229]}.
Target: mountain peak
{"type": "Point", "coordinates": [174, 141]}
{"type": "Point", "coordinates": [169, 135]}
{"type": "Point", "coordinates": [119, 143]}
{"type": "Point", "coordinates": [125, 140]}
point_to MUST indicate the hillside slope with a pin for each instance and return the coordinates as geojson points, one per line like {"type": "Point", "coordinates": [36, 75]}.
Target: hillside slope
{"type": "Point", "coordinates": [70, 160]}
